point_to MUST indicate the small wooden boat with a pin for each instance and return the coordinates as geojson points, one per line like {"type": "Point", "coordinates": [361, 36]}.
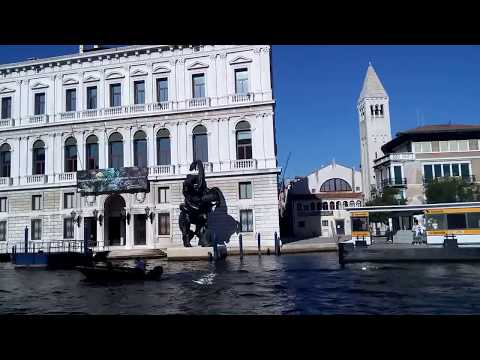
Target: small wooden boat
{"type": "Point", "coordinates": [106, 273]}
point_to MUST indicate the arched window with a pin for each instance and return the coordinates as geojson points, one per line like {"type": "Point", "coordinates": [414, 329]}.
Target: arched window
{"type": "Point", "coordinates": [312, 206]}
{"type": "Point", "coordinates": [325, 205]}
{"type": "Point", "coordinates": [345, 204]}
{"type": "Point", "coordinates": [140, 149]}
{"type": "Point", "coordinates": [332, 205]}
{"type": "Point", "coordinates": [200, 143]}
{"type": "Point", "coordinates": [359, 203]}
{"type": "Point", "coordinates": [319, 206]}
{"type": "Point", "coordinates": [71, 155]}
{"type": "Point", "coordinates": [91, 152]}
{"type": "Point", "coordinates": [163, 147]}
{"type": "Point", "coordinates": [5, 160]}
{"type": "Point", "coordinates": [244, 140]}
{"type": "Point", "coordinates": [352, 203]}
{"type": "Point", "coordinates": [337, 205]}
{"type": "Point", "coordinates": [38, 158]}
{"type": "Point", "coordinates": [335, 184]}
{"type": "Point", "coordinates": [115, 151]}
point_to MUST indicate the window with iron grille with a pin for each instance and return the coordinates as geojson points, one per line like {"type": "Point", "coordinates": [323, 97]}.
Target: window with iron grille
{"type": "Point", "coordinates": [246, 220]}
{"type": "Point", "coordinates": [139, 92]}
{"type": "Point", "coordinates": [68, 200]}
{"type": "Point", "coordinates": [198, 83]}
{"type": "Point", "coordinates": [245, 190]}
{"type": "Point", "coordinates": [71, 100]}
{"type": "Point", "coordinates": [6, 108]}
{"type": "Point", "coordinates": [68, 228]}
{"type": "Point", "coordinates": [36, 229]}
{"type": "Point", "coordinates": [3, 230]}
{"type": "Point", "coordinates": [163, 195]}
{"type": "Point", "coordinates": [91, 97]}
{"type": "Point", "coordinates": [241, 81]}
{"type": "Point", "coordinates": [162, 90]}
{"type": "Point", "coordinates": [37, 202]}
{"type": "Point", "coordinates": [115, 95]}
{"type": "Point", "coordinates": [164, 224]}
{"type": "Point", "coordinates": [3, 204]}
{"type": "Point", "coordinates": [39, 105]}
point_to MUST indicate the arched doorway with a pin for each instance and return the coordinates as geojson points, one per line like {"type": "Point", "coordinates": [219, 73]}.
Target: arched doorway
{"type": "Point", "coordinates": [115, 229]}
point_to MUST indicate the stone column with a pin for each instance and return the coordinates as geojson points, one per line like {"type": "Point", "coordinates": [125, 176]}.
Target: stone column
{"type": "Point", "coordinates": [102, 150]}
{"type": "Point", "coordinates": [266, 76]}
{"type": "Point", "coordinates": [150, 86]}
{"type": "Point", "coordinates": [174, 146]}
{"type": "Point", "coordinates": [212, 80]}
{"type": "Point", "coordinates": [222, 79]}
{"type": "Point", "coordinates": [50, 153]}
{"type": "Point", "coordinates": [151, 142]}
{"type": "Point", "coordinates": [182, 94]}
{"type": "Point", "coordinates": [257, 74]}
{"type": "Point", "coordinates": [172, 82]}
{"type": "Point", "coordinates": [128, 147]}
{"type": "Point", "coordinates": [81, 165]}
{"type": "Point", "coordinates": [269, 137]}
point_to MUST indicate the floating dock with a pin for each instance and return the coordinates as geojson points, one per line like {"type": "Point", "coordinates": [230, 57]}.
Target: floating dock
{"type": "Point", "coordinates": [195, 253]}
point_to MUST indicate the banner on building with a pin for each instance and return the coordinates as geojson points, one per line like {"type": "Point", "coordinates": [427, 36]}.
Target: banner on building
{"type": "Point", "coordinates": [110, 181]}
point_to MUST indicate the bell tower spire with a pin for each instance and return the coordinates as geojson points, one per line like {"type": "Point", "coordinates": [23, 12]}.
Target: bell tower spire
{"type": "Point", "coordinates": [374, 118]}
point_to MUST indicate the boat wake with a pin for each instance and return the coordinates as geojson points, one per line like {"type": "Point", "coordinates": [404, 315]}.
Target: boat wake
{"type": "Point", "coordinates": [205, 280]}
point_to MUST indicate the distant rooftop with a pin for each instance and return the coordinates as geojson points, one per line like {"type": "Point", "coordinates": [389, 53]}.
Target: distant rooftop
{"type": "Point", "coordinates": [433, 132]}
{"type": "Point", "coordinates": [440, 128]}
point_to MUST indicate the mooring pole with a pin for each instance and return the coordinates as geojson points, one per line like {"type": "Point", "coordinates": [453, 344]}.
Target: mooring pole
{"type": "Point", "coordinates": [341, 254]}
{"type": "Point", "coordinates": [26, 239]}
{"type": "Point", "coordinates": [240, 243]}
{"type": "Point", "coordinates": [258, 242]}
{"type": "Point", "coordinates": [277, 244]}
{"type": "Point", "coordinates": [215, 247]}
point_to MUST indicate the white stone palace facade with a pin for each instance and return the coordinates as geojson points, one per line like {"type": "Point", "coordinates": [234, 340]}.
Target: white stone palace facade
{"type": "Point", "coordinates": [159, 106]}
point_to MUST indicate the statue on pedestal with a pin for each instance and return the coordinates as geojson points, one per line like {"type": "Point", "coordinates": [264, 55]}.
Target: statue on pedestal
{"type": "Point", "coordinates": [199, 202]}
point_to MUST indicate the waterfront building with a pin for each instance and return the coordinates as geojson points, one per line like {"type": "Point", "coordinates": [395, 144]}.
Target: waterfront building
{"type": "Point", "coordinates": [419, 155]}
{"type": "Point", "coordinates": [316, 205]}
{"type": "Point", "coordinates": [374, 122]}
{"type": "Point", "coordinates": [157, 107]}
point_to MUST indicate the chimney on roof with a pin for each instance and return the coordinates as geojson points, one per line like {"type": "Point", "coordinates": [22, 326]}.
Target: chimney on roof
{"type": "Point", "coordinates": [85, 48]}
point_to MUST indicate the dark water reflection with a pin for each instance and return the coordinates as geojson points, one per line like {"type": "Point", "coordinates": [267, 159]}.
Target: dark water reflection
{"type": "Point", "coordinates": [294, 284]}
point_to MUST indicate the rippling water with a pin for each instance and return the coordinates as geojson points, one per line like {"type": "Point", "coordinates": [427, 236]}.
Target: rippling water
{"type": "Point", "coordinates": [293, 284]}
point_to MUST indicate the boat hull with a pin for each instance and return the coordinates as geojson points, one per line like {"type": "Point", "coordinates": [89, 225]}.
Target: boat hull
{"type": "Point", "coordinates": [104, 273]}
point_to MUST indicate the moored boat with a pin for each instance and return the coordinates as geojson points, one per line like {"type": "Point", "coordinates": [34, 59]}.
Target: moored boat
{"type": "Point", "coordinates": [108, 273]}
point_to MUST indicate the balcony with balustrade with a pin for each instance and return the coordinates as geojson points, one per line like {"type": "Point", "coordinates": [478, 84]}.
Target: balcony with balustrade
{"type": "Point", "coordinates": [34, 180]}
{"type": "Point", "coordinates": [7, 122]}
{"type": "Point", "coordinates": [241, 98]}
{"type": "Point", "coordinates": [161, 170]}
{"type": "Point", "coordinates": [38, 119]}
{"type": "Point", "coordinates": [6, 181]}
{"type": "Point", "coordinates": [124, 111]}
{"type": "Point", "coordinates": [245, 164]}
{"type": "Point", "coordinates": [66, 177]}
{"type": "Point", "coordinates": [198, 103]}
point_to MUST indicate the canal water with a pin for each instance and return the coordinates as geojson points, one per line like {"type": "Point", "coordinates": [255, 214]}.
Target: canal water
{"type": "Point", "coordinates": [289, 284]}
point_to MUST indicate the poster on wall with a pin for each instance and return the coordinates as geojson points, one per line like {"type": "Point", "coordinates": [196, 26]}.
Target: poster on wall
{"type": "Point", "coordinates": [110, 181]}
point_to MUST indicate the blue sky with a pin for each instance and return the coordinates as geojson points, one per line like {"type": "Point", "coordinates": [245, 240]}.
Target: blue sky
{"type": "Point", "coordinates": [316, 89]}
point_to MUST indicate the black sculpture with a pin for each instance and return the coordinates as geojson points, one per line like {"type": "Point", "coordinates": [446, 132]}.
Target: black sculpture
{"type": "Point", "coordinates": [199, 201]}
